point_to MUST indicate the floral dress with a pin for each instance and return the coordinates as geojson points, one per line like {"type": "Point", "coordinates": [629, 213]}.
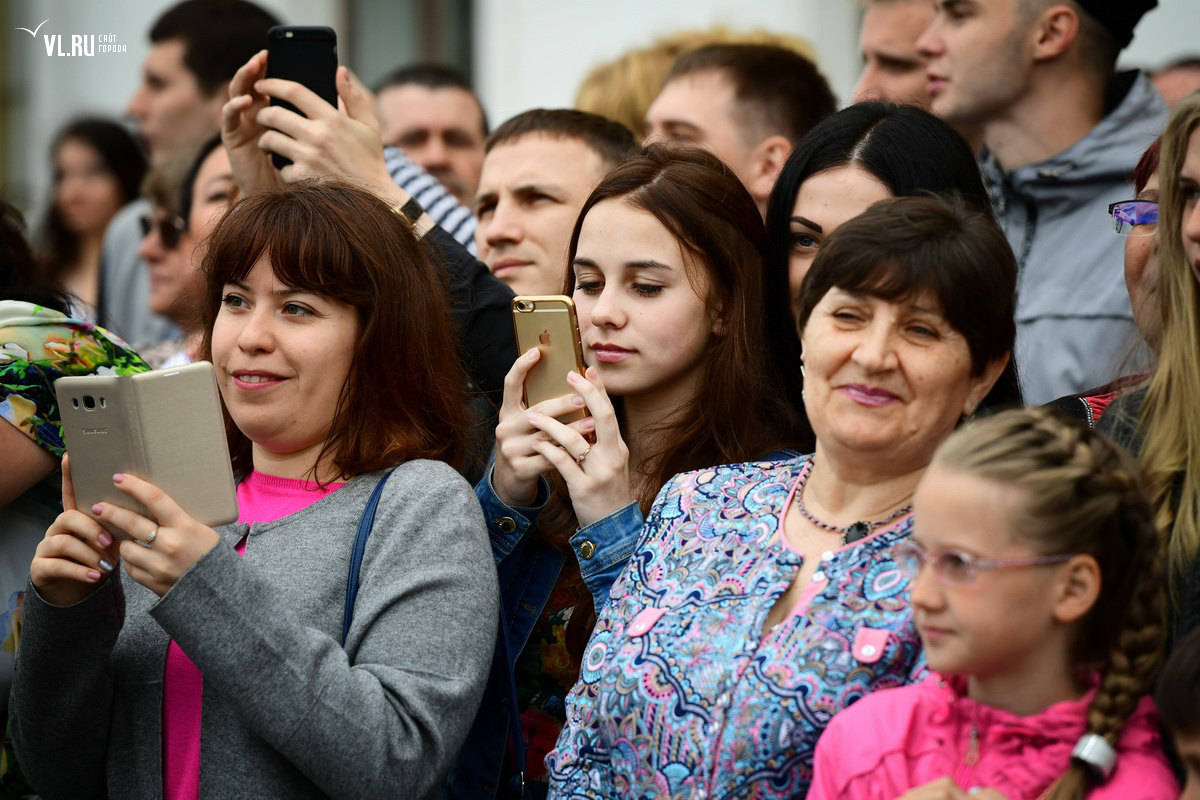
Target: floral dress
{"type": "Point", "coordinates": [37, 346]}
{"type": "Point", "coordinates": [683, 695]}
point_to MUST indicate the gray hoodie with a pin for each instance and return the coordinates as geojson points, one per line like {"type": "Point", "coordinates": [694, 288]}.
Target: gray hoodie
{"type": "Point", "coordinates": [287, 711]}
{"type": "Point", "coordinates": [1074, 322]}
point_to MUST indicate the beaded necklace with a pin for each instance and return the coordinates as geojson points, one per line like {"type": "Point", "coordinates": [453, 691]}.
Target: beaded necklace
{"type": "Point", "coordinates": [852, 532]}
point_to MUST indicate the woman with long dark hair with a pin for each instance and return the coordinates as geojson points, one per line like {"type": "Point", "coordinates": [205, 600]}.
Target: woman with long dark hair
{"type": "Point", "coordinates": [98, 168]}
{"type": "Point", "coordinates": [665, 271]}
{"type": "Point", "coordinates": [864, 153]}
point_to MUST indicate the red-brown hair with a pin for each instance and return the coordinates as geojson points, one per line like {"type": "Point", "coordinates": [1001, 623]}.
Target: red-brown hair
{"type": "Point", "coordinates": [404, 394]}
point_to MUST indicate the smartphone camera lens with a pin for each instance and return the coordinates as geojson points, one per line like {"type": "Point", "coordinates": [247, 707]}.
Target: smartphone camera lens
{"type": "Point", "coordinates": [89, 402]}
{"type": "Point", "coordinates": [524, 305]}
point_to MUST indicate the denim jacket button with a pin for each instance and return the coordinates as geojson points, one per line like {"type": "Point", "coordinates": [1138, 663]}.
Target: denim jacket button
{"type": "Point", "coordinates": [587, 550]}
{"type": "Point", "coordinates": [505, 524]}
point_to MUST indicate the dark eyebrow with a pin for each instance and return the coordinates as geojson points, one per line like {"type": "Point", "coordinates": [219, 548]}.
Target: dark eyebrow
{"type": "Point", "coordinates": [538, 188]}
{"type": "Point", "coordinates": [680, 125]}
{"type": "Point", "coordinates": [920, 309]}
{"type": "Point", "coordinates": [486, 197]}
{"type": "Point", "coordinates": [649, 264]}
{"type": "Point", "coordinates": [808, 223]}
{"type": "Point", "coordinates": [860, 297]}
{"type": "Point", "coordinates": [286, 292]}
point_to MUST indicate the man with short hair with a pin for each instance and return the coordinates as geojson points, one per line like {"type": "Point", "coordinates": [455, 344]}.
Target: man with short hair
{"type": "Point", "coordinates": [539, 169]}
{"type": "Point", "coordinates": [750, 104]}
{"type": "Point", "coordinates": [196, 47]}
{"type": "Point", "coordinates": [893, 69]}
{"type": "Point", "coordinates": [431, 112]}
{"type": "Point", "coordinates": [1062, 134]}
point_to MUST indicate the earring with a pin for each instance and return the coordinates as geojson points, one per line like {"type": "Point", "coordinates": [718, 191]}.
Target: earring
{"type": "Point", "coordinates": [803, 398]}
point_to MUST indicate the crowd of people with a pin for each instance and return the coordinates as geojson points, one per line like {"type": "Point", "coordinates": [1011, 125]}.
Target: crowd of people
{"type": "Point", "coordinates": [881, 478]}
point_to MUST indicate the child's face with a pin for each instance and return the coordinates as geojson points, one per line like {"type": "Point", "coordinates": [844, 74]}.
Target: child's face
{"type": "Point", "coordinates": [1188, 748]}
{"type": "Point", "coordinates": [1003, 621]}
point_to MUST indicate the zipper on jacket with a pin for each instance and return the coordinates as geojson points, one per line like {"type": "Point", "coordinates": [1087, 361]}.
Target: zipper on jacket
{"type": "Point", "coordinates": [970, 760]}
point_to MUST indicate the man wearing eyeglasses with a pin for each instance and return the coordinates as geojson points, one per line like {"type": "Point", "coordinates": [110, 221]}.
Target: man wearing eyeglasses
{"type": "Point", "coordinates": [1061, 134]}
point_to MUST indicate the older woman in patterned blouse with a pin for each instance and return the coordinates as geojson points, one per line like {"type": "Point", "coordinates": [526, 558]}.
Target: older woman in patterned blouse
{"type": "Point", "coordinates": [762, 598]}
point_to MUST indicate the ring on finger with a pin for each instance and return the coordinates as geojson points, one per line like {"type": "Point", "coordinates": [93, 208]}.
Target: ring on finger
{"type": "Point", "coordinates": [579, 458]}
{"type": "Point", "coordinates": [149, 540]}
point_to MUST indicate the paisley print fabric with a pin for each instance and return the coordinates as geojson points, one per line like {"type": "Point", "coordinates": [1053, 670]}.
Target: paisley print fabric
{"type": "Point", "coordinates": [681, 693]}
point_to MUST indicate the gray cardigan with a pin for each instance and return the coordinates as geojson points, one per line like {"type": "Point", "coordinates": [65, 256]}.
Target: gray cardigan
{"type": "Point", "coordinates": [287, 712]}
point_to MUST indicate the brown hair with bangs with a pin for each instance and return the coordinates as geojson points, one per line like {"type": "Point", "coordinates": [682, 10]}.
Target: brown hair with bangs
{"type": "Point", "coordinates": [906, 246]}
{"type": "Point", "coordinates": [404, 394]}
{"type": "Point", "coordinates": [743, 411]}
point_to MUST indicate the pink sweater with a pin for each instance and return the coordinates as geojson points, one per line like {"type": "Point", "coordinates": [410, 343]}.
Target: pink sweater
{"type": "Point", "coordinates": [261, 498]}
{"type": "Point", "coordinates": [894, 740]}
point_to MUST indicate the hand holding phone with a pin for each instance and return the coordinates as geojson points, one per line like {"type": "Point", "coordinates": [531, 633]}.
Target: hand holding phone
{"type": "Point", "coordinates": [164, 426]}
{"type": "Point", "coordinates": [549, 324]}
{"type": "Point", "coordinates": [76, 555]}
{"type": "Point", "coordinates": [308, 56]}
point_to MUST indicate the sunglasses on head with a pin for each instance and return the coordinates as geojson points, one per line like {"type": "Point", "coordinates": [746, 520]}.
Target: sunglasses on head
{"type": "Point", "coordinates": [1134, 217]}
{"type": "Point", "coordinates": [170, 228]}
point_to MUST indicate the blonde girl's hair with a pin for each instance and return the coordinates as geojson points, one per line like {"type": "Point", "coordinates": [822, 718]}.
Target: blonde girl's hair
{"type": "Point", "coordinates": [1170, 420]}
{"type": "Point", "coordinates": [1083, 494]}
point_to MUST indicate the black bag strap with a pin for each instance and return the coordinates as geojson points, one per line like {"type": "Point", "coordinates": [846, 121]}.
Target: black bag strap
{"type": "Point", "coordinates": [356, 555]}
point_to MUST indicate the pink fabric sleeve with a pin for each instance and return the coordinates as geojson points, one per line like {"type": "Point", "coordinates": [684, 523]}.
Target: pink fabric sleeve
{"type": "Point", "coordinates": [261, 498]}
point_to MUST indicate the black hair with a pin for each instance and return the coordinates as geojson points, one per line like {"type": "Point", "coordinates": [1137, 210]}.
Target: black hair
{"type": "Point", "coordinates": [122, 158]}
{"type": "Point", "coordinates": [19, 273]}
{"type": "Point", "coordinates": [612, 141]}
{"type": "Point", "coordinates": [909, 150]}
{"type": "Point", "coordinates": [431, 76]}
{"type": "Point", "coordinates": [782, 88]}
{"type": "Point", "coordinates": [189, 178]}
{"type": "Point", "coordinates": [906, 246]}
{"type": "Point", "coordinates": [218, 36]}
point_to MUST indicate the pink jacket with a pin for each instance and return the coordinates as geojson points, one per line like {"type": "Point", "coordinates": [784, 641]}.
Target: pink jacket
{"type": "Point", "coordinates": [894, 740]}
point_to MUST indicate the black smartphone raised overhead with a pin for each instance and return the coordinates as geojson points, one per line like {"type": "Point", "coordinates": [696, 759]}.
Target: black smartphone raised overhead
{"type": "Point", "coordinates": [306, 55]}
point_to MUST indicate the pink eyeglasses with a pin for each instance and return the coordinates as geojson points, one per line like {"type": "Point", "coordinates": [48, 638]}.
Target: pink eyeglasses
{"type": "Point", "coordinates": [959, 568]}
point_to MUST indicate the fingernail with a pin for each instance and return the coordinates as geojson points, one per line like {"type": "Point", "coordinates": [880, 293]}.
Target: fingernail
{"type": "Point", "coordinates": [577, 400]}
{"type": "Point", "coordinates": [572, 376]}
{"type": "Point", "coordinates": [94, 575]}
{"type": "Point", "coordinates": [96, 509]}
{"type": "Point", "coordinates": [534, 416]}
{"type": "Point", "coordinates": [592, 373]}
{"type": "Point", "coordinates": [587, 424]}
{"type": "Point", "coordinates": [105, 540]}
{"type": "Point", "coordinates": [118, 478]}
{"type": "Point", "coordinates": [104, 565]}
{"type": "Point", "coordinates": [258, 85]}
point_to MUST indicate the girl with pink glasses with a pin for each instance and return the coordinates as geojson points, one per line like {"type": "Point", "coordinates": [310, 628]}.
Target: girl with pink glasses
{"type": "Point", "coordinates": [1037, 592]}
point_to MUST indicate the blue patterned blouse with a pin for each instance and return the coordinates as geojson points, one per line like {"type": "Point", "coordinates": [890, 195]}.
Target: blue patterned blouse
{"type": "Point", "coordinates": [682, 695]}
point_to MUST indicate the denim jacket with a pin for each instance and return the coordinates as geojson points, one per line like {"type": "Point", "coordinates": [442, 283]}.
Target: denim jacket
{"type": "Point", "coordinates": [528, 571]}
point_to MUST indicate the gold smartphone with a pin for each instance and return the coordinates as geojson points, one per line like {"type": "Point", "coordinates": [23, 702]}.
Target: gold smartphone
{"type": "Point", "coordinates": [549, 324]}
{"type": "Point", "coordinates": [163, 426]}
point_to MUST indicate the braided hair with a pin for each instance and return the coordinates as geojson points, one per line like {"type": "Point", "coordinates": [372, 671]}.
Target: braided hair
{"type": "Point", "coordinates": [1083, 494]}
